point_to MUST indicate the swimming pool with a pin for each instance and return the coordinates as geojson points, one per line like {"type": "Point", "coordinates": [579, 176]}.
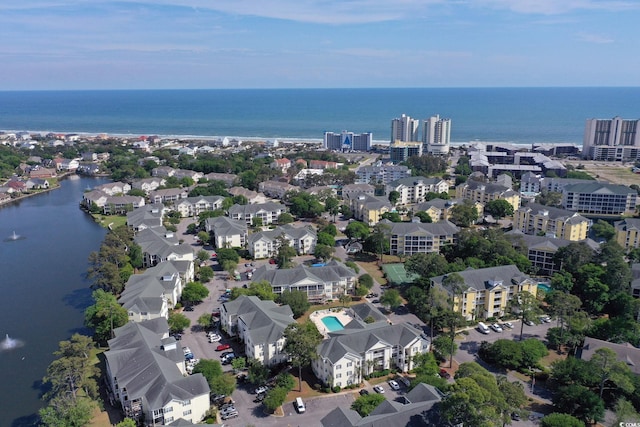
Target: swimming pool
{"type": "Point", "coordinates": [544, 287]}
{"type": "Point", "coordinates": [332, 323]}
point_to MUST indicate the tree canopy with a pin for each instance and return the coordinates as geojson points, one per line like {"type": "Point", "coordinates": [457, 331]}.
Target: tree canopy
{"type": "Point", "coordinates": [301, 344]}
{"type": "Point", "coordinates": [296, 300]}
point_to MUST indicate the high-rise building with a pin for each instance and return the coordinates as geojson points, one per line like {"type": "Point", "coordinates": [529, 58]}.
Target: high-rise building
{"type": "Point", "coordinates": [611, 140]}
{"type": "Point", "coordinates": [404, 129]}
{"type": "Point", "coordinates": [347, 141]}
{"type": "Point", "coordinates": [436, 135]}
{"type": "Point", "coordinates": [401, 151]}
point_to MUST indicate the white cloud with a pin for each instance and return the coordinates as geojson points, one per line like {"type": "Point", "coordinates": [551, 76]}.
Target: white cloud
{"type": "Point", "coordinates": [594, 38]}
{"type": "Point", "coordinates": [556, 7]}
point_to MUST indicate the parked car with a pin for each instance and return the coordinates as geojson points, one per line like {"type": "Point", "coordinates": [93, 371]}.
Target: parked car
{"type": "Point", "coordinates": [394, 385]}
{"type": "Point", "coordinates": [376, 301]}
{"type": "Point", "coordinates": [272, 261]}
{"type": "Point", "coordinates": [260, 397]}
{"type": "Point", "coordinates": [214, 338]}
{"type": "Point", "coordinates": [545, 319]}
{"type": "Point", "coordinates": [222, 347]}
{"type": "Point", "coordinates": [177, 337]}
{"type": "Point", "coordinates": [186, 350]}
{"type": "Point", "coordinates": [378, 389]}
{"type": "Point", "coordinates": [529, 322]}
{"type": "Point", "coordinates": [363, 392]}
{"type": "Point", "coordinates": [496, 327]}
{"type": "Point", "coordinates": [229, 415]}
{"type": "Point", "coordinates": [508, 325]}
{"type": "Point", "coordinates": [188, 308]}
{"type": "Point", "coordinates": [444, 374]}
{"type": "Point", "coordinates": [261, 389]}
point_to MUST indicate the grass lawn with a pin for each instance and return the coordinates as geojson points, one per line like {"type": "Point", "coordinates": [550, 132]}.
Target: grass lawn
{"type": "Point", "coordinates": [369, 264]}
{"type": "Point", "coordinates": [106, 220]}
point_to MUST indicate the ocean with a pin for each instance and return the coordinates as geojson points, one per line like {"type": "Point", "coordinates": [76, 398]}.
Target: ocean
{"type": "Point", "coordinates": [516, 115]}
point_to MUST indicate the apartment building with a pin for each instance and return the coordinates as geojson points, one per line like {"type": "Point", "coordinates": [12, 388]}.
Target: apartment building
{"type": "Point", "coordinates": [347, 141]}
{"type": "Point", "coordinates": [259, 325]}
{"type": "Point", "coordinates": [598, 198]}
{"type": "Point", "coordinates": [484, 192]}
{"type": "Point", "coordinates": [436, 135]}
{"type": "Point", "coordinates": [226, 232]}
{"type": "Point", "coordinates": [400, 151]}
{"type": "Point", "coordinates": [354, 352]}
{"type": "Point", "coordinates": [440, 209]}
{"type": "Point", "coordinates": [267, 212]}
{"type": "Point", "coordinates": [369, 209]}
{"type": "Point", "coordinates": [194, 206]}
{"type": "Point", "coordinates": [611, 140]}
{"type": "Point", "coordinates": [487, 291]}
{"type": "Point", "coordinates": [276, 189]}
{"type": "Point", "coordinates": [265, 244]}
{"type": "Point", "coordinates": [404, 129]}
{"type": "Point", "coordinates": [415, 189]}
{"type": "Point", "coordinates": [323, 283]}
{"type": "Point", "coordinates": [146, 374]}
{"type": "Point", "coordinates": [536, 219]}
{"type": "Point", "coordinates": [628, 233]}
{"type": "Point", "coordinates": [408, 238]}
{"type": "Point", "coordinates": [159, 245]}
{"type": "Point", "coordinates": [382, 173]}
{"type": "Point", "coordinates": [350, 191]}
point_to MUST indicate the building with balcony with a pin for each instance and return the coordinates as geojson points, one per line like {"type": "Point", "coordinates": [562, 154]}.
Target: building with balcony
{"type": "Point", "coordinates": [484, 192]}
{"type": "Point", "coordinates": [487, 291]}
{"type": "Point", "coordinates": [628, 233]}
{"type": "Point", "coordinates": [611, 140]}
{"type": "Point", "coordinates": [436, 136]}
{"type": "Point", "coordinates": [226, 232]}
{"type": "Point", "coordinates": [598, 198]}
{"type": "Point", "coordinates": [414, 189]}
{"type": "Point", "coordinates": [268, 212]}
{"type": "Point", "coordinates": [408, 238]}
{"type": "Point", "coordinates": [347, 141]}
{"type": "Point", "coordinates": [381, 173]}
{"type": "Point", "coordinates": [265, 244]}
{"type": "Point", "coordinates": [536, 219]}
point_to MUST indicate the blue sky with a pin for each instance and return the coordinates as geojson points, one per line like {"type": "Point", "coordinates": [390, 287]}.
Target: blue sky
{"type": "Point", "coordinates": [149, 44]}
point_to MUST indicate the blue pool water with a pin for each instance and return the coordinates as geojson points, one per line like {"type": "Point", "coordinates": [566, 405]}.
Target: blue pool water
{"type": "Point", "coordinates": [544, 287]}
{"type": "Point", "coordinates": [332, 323]}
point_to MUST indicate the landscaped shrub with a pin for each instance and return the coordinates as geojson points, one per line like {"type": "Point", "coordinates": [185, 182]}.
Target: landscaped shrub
{"type": "Point", "coordinates": [336, 389]}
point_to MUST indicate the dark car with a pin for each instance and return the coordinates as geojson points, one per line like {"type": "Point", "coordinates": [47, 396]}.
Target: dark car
{"type": "Point", "coordinates": [363, 392]}
{"type": "Point", "coordinates": [444, 374]}
{"type": "Point", "coordinates": [376, 301]}
{"type": "Point", "coordinates": [260, 397]}
{"type": "Point", "coordinates": [515, 416]}
{"type": "Point", "coordinates": [188, 308]}
{"type": "Point", "coordinates": [177, 337]}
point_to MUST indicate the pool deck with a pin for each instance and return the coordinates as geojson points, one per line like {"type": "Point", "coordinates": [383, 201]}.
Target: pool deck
{"type": "Point", "coordinates": [340, 314]}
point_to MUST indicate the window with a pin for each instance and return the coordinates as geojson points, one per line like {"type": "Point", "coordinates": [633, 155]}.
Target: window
{"type": "Point", "coordinates": [168, 409]}
{"type": "Point", "coordinates": [338, 366]}
{"type": "Point", "coordinates": [187, 412]}
{"type": "Point", "coordinates": [338, 375]}
{"type": "Point", "coordinates": [349, 364]}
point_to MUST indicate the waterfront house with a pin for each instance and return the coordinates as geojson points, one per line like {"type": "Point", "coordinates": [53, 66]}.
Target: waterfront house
{"type": "Point", "coordinates": [121, 205]}
{"type": "Point", "coordinates": [160, 245]}
{"type": "Point", "coordinates": [168, 195]}
{"type": "Point", "coordinates": [259, 325]}
{"type": "Point", "coordinates": [146, 374]}
{"type": "Point", "coordinates": [114, 188]}
{"type": "Point", "coordinates": [148, 184]}
{"type": "Point", "coordinates": [487, 291]}
{"type": "Point", "coordinates": [148, 217]}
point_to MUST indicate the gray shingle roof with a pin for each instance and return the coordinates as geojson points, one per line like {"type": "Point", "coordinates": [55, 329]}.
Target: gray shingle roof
{"type": "Point", "coordinates": [224, 226]}
{"type": "Point", "coordinates": [553, 213]}
{"type": "Point", "coordinates": [149, 216]}
{"type": "Point", "coordinates": [255, 208]}
{"type": "Point", "coordinates": [158, 241]}
{"type": "Point", "coordinates": [410, 181]}
{"type": "Point", "coordinates": [441, 228]}
{"type": "Point", "coordinates": [331, 272]}
{"type": "Point", "coordinates": [485, 278]}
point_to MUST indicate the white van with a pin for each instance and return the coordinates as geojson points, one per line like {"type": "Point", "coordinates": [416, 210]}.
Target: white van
{"type": "Point", "coordinates": [300, 405]}
{"type": "Point", "coordinates": [483, 328]}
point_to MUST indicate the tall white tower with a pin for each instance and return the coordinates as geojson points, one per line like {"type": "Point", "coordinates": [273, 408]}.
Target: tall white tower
{"type": "Point", "coordinates": [404, 129]}
{"type": "Point", "coordinates": [436, 135]}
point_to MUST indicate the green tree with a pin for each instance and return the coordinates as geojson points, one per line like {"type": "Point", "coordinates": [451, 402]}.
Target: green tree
{"type": "Point", "coordinates": [205, 321]}
{"type": "Point", "coordinates": [549, 198]}
{"type": "Point", "coordinates": [256, 222]}
{"type": "Point", "coordinates": [323, 252]}
{"type": "Point", "coordinates": [238, 363]}
{"type": "Point", "coordinates": [378, 240]}
{"type": "Point", "coordinates": [346, 212]}
{"type": "Point", "coordinates": [557, 419]}
{"type": "Point", "coordinates": [424, 217]}
{"type": "Point", "coordinates": [532, 351]}
{"type": "Point", "coordinates": [258, 373]}
{"type": "Point", "coordinates": [178, 322]}
{"type": "Point", "coordinates": [499, 208]}
{"type": "Point", "coordinates": [285, 253]}
{"type": "Point", "coordinates": [580, 402]}
{"type": "Point", "coordinates": [443, 344]}
{"type": "Point", "coordinates": [464, 214]}
{"type": "Point", "coordinates": [285, 218]}
{"type": "Point", "coordinates": [332, 206]}
{"type": "Point", "coordinates": [603, 229]}
{"type": "Point", "coordinates": [230, 267]}
{"type": "Point", "coordinates": [105, 315]}
{"type": "Point", "coordinates": [526, 306]}
{"type": "Point", "coordinates": [275, 398]}
{"type": "Point", "coordinates": [393, 197]}
{"type": "Point", "coordinates": [205, 274]}
{"type": "Point", "coordinates": [301, 343]}
{"type": "Point", "coordinates": [204, 237]}
{"type": "Point", "coordinates": [364, 405]}
{"type": "Point", "coordinates": [261, 289]}
{"type": "Point", "coordinates": [325, 239]}
{"type": "Point", "coordinates": [296, 300]}
{"type": "Point", "coordinates": [573, 256]}
{"type": "Point", "coordinates": [286, 381]}
{"type": "Point", "coordinates": [392, 216]}
{"type": "Point", "coordinates": [357, 230]}
{"type": "Point", "coordinates": [329, 229]}
{"type": "Point", "coordinates": [194, 293]}
{"type": "Point", "coordinates": [609, 370]}
{"type": "Point", "coordinates": [64, 412]}
{"type": "Point", "coordinates": [427, 265]}
{"type": "Point", "coordinates": [391, 298]}
{"type": "Point", "coordinates": [202, 255]}
{"type": "Point", "coordinates": [504, 353]}
{"type": "Point", "coordinates": [227, 254]}
{"type": "Point", "coordinates": [305, 205]}
{"type": "Point", "coordinates": [365, 281]}
{"type": "Point", "coordinates": [127, 422]}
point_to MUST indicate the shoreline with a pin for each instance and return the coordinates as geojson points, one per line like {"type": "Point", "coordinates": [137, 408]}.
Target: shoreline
{"type": "Point", "coordinates": [295, 139]}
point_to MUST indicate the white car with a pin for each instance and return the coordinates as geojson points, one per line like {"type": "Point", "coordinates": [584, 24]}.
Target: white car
{"type": "Point", "coordinates": [262, 389]}
{"type": "Point", "coordinates": [186, 350]}
{"type": "Point", "coordinates": [378, 389]}
{"type": "Point", "coordinates": [214, 337]}
{"type": "Point", "coordinates": [496, 327]}
{"type": "Point", "coordinates": [508, 325]}
{"type": "Point", "coordinates": [394, 385]}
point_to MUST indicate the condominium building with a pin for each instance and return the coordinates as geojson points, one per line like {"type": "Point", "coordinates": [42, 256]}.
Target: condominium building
{"type": "Point", "coordinates": [400, 151]}
{"type": "Point", "coordinates": [369, 209]}
{"type": "Point", "coordinates": [536, 219]}
{"type": "Point", "coordinates": [265, 244]}
{"type": "Point", "coordinates": [597, 198]}
{"type": "Point", "coordinates": [482, 192]}
{"type": "Point", "coordinates": [611, 140]}
{"type": "Point", "coordinates": [383, 174]}
{"type": "Point", "coordinates": [487, 291]}
{"type": "Point", "coordinates": [226, 232]}
{"type": "Point", "coordinates": [415, 189]}
{"type": "Point", "coordinates": [268, 212]}
{"type": "Point", "coordinates": [404, 129]}
{"type": "Point", "coordinates": [347, 141]}
{"type": "Point", "coordinates": [410, 238]}
{"type": "Point", "coordinates": [628, 233]}
{"type": "Point", "coordinates": [259, 325]}
{"type": "Point", "coordinates": [436, 135]}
